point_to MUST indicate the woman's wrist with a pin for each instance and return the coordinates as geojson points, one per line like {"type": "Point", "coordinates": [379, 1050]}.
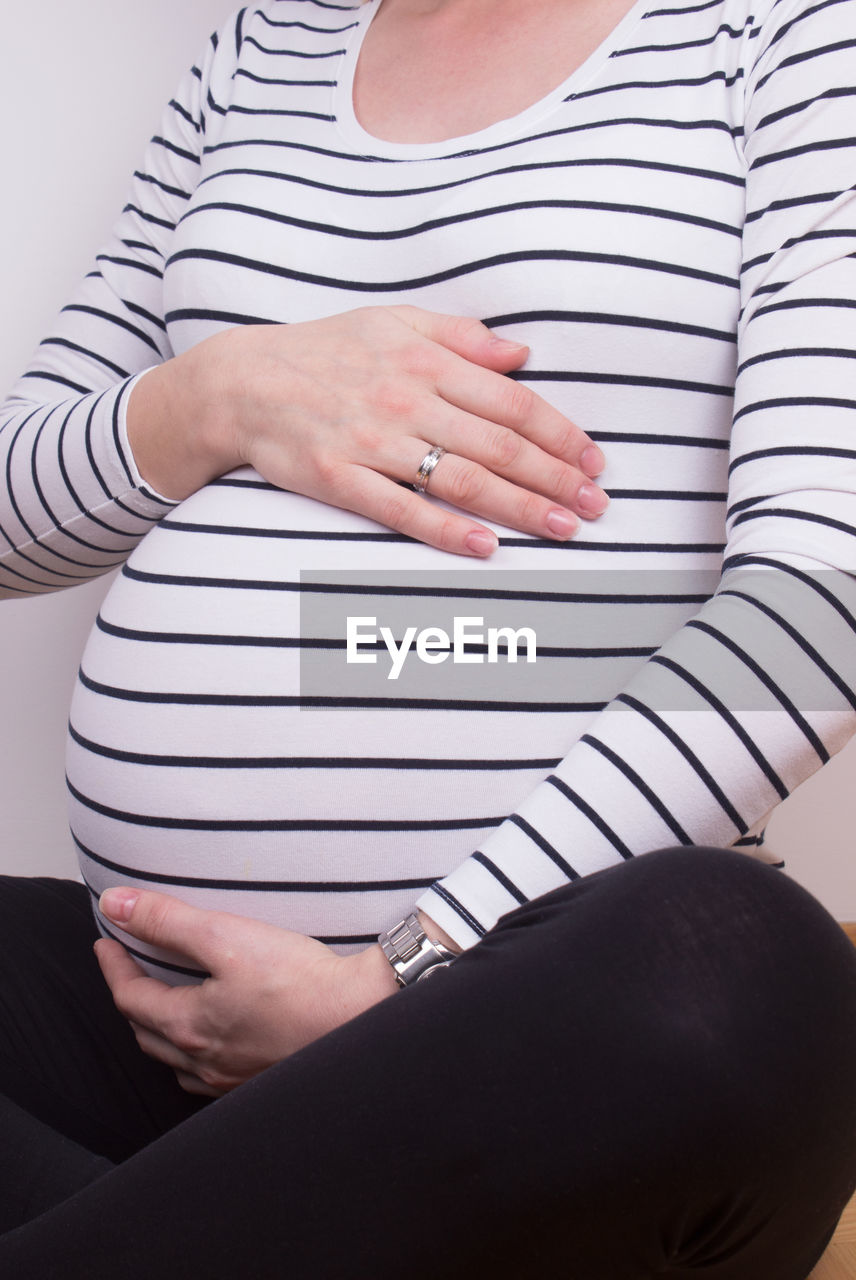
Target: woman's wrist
{"type": "Point", "coordinates": [374, 977]}
{"type": "Point", "coordinates": [435, 934]}
{"type": "Point", "coordinates": [373, 980]}
{"type": "Point", "coordinates": [178, 423]}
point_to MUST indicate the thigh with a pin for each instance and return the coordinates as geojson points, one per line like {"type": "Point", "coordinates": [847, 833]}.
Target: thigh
{"type": "Point", "coordinates": [66, 1056]}
{"type": "Point", "coordinates": [650, 1072]}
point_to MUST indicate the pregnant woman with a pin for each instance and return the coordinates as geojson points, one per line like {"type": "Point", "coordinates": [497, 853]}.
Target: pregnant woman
{"type": "Point", "coordinates": [397, 287]}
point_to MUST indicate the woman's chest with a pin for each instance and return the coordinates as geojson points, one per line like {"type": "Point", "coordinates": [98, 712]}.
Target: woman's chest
{"type": "Point", "coordinates": [622, 197]}
{"type": "Point", "coordinates": [590, 217]}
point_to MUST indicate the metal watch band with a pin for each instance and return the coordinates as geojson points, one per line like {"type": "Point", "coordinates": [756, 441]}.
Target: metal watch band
{"type": "Point", "coordinates": [411, 953]}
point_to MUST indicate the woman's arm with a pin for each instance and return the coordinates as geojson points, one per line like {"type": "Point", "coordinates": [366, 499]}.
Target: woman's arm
{"type": "Point", "coordinates": [757, 691]}
{"type": "Point", "coordinates": [74, 503]}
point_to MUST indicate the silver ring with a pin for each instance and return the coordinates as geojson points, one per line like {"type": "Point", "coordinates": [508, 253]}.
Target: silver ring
{"type": "Point", "coordinates": [426, 466]}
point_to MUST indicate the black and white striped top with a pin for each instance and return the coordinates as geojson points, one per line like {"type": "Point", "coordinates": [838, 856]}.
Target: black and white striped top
{"type": "Point", "coordinates": [677, 218]}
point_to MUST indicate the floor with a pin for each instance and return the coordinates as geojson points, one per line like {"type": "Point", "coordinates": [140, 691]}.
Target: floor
{"type": "Point", "coordinates": [839, 1261]}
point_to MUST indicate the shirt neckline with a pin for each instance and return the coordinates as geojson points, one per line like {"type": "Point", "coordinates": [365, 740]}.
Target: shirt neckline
{"type": "Point", "coordinates": [502, 130]}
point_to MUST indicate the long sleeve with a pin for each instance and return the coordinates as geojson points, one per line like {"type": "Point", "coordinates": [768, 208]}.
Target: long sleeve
{"type": "Point", "coordinates": [74, 504]}
{"type": "Point", "coordinates": [755, 692]}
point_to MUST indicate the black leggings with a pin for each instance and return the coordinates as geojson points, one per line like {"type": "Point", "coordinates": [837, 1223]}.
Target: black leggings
{"type": "Point", "coordinates": [649, 1072]}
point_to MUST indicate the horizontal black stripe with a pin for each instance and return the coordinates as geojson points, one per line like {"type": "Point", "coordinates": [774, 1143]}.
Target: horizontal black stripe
{"type": "Point", "coordinates": [143, 248]}
{"type": "Point", "coordinates": [768, 682]}
{"type": "Point", "coordinates": [346, 939]}
{"type": "Point", "coordinates": [256, 886]}
{"type": "Point", "coordinates": [796, 450]}
{"type": "Point", "coordinates": [378, 646]}
{"type": "Point", "coordinates": [637, 781]}
{"type": "Point", "coordinates": [746, 503]}
{"type": "Point", "coordinates": [166, 965]}
{"type": "Point", "coordinates": [800, 641]}
{"type": "Point", "coordinates": [733, 33]}
{"type": "Point", "coordinates": [684, 82]}
{"type": "Point", "coordinates": [544, 845]}
{"type": "Point", "coordinates": [88, 352]}
{"type": "Point", "coordinates": [276, 80]}
{"type": "Point", "coordinates": [610, 318]}
{"type": "Point", "coordinates": [303, 26]}
{"type": "Point", "coordinates": [165, 698]}
{"type": "Point", "coordinates": [805, 55]}
{"type": "Point", "coordinates": [410, 589]}
{"type": "Point", "coordinates": [588, 162]}
{"type": "Point", "coordinates": [117, 321]}
{"type": "Point", "coordinates": [807, 12]}
{"type": "Point", "coordinates": [217, 317]}
{"type": "Point", "coordinates": [157, 322]}
{"type": "Point", "coordinates": [45, 376]}
{"type": "Point", "coordinates": [795, 108]}
{"type": "Point", "coordinates": [790, 202]}
{"type": "Point", "coordinates": [704, 775]}
{"type": "Point", "coordinates": [182, 111]}
{"type": "Point", "coordinates": [175, 150]}
{"type": "Point", "coordinates": [394, 764]}
{"type": "Point", "coordinates": [727, 716]}
{"type": "Point", "coordinates": [595, 818]}
{"type": "Point", "coordinates": [664, 495]}
{"type": "Point", "coordinates": [808, 148]}
{"type": "Point", "coordinates": [168, 224]}
{"type": "Point", "coordinates": [133, 263]}
{"type": "Point", "coordinates": [278, 112]}
{"type": "Point", "coordinates": [790, 353]}
{"type": "Point", "coordinates": [501, 878]}
{"type": "Point", "coordinates": [664, 438]}
{"type": "Point", "coordinates": [454, 219]}
{"type": "Point", "coordinates": [451, 901]}
{"type": "Point", "coordinates": [807, 579]}
{"type": "Point", "coordinates": [789, 513]}
{"type": "Point", "coordinates": [620, 380]}
{"type": "Point", "coordinates": [450, 273]}
{"type": "Point", "coordinates": [293, 53]}
{"type": "Point", "coordinates": [840, 233]}
{"type": "Point", "coordinates": [282, 824]}
{"type": "Point", "coordinates": [800, 304]}
{"type": "Point", "coordinates": [795, 402]}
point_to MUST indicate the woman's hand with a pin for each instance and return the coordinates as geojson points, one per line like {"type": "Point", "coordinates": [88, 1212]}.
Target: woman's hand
{"type": "Point", "coordinates": [342, 408]}
{"type": "Point", "coordinates": [270, 991]}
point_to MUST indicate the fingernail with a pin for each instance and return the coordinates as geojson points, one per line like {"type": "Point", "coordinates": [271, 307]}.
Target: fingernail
{"type": "Point", "coordinates": [117, 904]}
{"type": "Point", "coordinates": [507, 344]}
{"type": "Point", "coordinates": [592, 461]}
{"type": "Point", "coordinates": [481, 543]}
{"type": "Point", "coordinates": [592, 500]}
{"type": "Point", "coordinates": [562, 524]}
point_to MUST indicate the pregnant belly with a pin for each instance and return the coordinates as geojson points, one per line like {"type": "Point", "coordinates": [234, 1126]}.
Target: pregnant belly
{"type": "Point", "coordinates": [215, 753]}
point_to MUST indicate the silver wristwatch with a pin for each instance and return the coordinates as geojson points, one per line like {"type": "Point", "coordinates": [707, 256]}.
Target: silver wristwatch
{"type": "Point", "coordinates": [411, 954]}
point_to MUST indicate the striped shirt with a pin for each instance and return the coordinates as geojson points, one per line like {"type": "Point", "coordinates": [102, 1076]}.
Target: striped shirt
{"type": "Point", "coordinates": [673, 233]}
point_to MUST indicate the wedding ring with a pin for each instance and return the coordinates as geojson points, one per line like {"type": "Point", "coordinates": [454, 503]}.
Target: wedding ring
{"type": "Point", "coordinates": [426, 466]}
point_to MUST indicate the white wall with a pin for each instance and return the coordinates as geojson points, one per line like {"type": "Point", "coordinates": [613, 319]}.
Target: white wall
{"type": "Point", "coordinates": [81, 89]}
